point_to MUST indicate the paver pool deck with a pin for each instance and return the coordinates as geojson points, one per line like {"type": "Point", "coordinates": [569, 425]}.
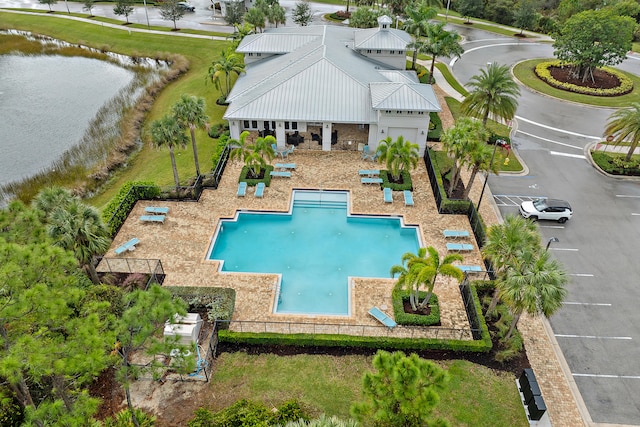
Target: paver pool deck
{"type": "Point", "coordinates": [183, 241]}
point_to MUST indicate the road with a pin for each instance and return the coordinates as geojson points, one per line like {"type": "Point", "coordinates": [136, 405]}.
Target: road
{"type": "Point", "coordinates": [598, 327]}
{"type": "Point", "coordinates": [202, 19]}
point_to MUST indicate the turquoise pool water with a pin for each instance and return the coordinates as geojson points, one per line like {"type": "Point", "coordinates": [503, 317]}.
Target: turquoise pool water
{"type": "Point", "coordinates": [316, 247]}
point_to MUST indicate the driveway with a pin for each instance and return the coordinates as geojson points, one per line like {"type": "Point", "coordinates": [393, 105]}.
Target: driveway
{"type": "Point", "coordinates": [598, 328]}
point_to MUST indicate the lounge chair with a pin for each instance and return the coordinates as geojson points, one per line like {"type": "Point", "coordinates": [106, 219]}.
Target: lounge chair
{"type": "Point", "coordinates": [455, 233]}
{"type": "Point", "coordinates": [460, 247]}
{"type": "Point", "coordinates": [242, 189]}
{"type": "Point", "coordinates": [408, 198]}
{"type": "Point", "coordinates": [285, 166]}
{"type": "Point", "coordinates": [157, 210]}
{"type": "Point", "coordinates": [371, 173]}
{"type": "Point", "coordinates": [129, 246]}
{"type": "Point", "coordinates": [259, 189]}
{"type": "Point", "coordinates": [388, 195]}
{"type": "Point", "coordinates": [382, 318]}
{"type": "Point", "coordinates": [371, 180]}
{"type": "Point", "coordinates": [470, 268]}
{"type": "Point", "coordinates": [152, 218]}
{"type": "Point", "coordinates": [280, 174]}
{"type": "Point", "coordinates": [367, 154]}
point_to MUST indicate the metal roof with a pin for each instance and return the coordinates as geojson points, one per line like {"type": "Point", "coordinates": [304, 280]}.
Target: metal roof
{"type": "Point", "coordinates": [323, 79]}
{"type": "Point", "coordinates": [383, 39]}
{"type": "Point", "coordinates": [404, 97]}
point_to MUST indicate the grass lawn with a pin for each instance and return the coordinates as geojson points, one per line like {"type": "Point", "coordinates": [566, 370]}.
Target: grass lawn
{"type": "Point", "coordinates": [475, 396]}
{"type": "Point", "coordinates": [149, 163]}
{"type": "Point", "coordinates": [524, 71]}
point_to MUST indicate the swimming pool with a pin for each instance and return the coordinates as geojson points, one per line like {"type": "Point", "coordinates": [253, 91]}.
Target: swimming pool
{"type": "Point", "coordinates": [316, 247]}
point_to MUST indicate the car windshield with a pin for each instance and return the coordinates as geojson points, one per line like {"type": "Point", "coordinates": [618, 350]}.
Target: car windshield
{"type": "Point", "coordinates": [540, 204]}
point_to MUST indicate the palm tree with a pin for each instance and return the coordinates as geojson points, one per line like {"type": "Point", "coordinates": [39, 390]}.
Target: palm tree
{"type": "Point", "coordinates": [264, 147]}
{"type": "Point", "coordinates": [398, 155]}
{"type": "Point", "coordinates": [78, 228]}
{"type": "Point", "coordinates": [458, 141]}
{"type": "Point", "coordinates": [416, 24]}
{"type": "Point", "coordinates": [504, 244]}
{"type": "Point", "coordinates": [440, 42]}
{"type": "Point", "coordinates": [624, 126]}
{"type": "Point", "coordinates": [168, 132]}
{"type": "Point", "coordinates": [535, 285]}
{"type": "Point", "coordinates": [421, 269]}
{"type": "Point", "coordinates": [241, 148]}
{"type": "Point", "coordinates": [240, 32]}
{"type": "Point", "coordinates": [494, 92]}
{"type": "Point", "coordinates": [191, 112]}
{"type": "Point", "coordinates": [50, 199]}
{"type": "Point", "coordinates": [220, 71]}
{"type": "Point", "coordinates": [480, 158]}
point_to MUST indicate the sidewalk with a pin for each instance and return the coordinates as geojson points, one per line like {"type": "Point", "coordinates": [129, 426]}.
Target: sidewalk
{"type": "Point", "coordinates": [565, 406]}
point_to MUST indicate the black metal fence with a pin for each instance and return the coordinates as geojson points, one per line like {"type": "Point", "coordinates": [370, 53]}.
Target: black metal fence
{"type": "Point", "coordinates": [152, 267]}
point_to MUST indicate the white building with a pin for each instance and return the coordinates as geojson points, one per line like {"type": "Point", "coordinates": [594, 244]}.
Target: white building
{"type": "Point", "coordinates": [330, 84]}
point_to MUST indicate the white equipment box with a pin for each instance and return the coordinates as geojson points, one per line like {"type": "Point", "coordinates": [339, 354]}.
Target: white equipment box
{"type": "Point", "coordinates": [187, 328]}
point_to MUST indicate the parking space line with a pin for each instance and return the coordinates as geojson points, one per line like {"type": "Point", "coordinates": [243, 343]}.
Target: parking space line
{"type": "Point", "coordinates": [599, 304]}
{"type": "Point", "coordinates": [551, 226]}
{"type": "Point", "coordinates": [635, 214]}
{"type": "Point", "coordinates": [598, 337]}
{"type": "Point", "coordinates": [628, 196]}
{"type": "Point", "coordinates": [623, 377]}
{"type": "Point", "coordinates": [575, 156]}
{"type": "Point", "coordinates": [564, 249]}
{"type": "Point", "coordinates": [550, 140]}
{"type": "Point", "coordinates": [581, 274]}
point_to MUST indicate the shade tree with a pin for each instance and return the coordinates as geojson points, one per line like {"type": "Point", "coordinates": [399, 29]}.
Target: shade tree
{"type": "Point", "coordinates": [123, 8]}
{"type": "Point", "coordinates": [170, 10]}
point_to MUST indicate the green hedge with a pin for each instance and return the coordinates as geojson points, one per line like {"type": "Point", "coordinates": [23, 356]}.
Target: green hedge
{"type": "Point", "coordinates": [218, 302]}
{"type": "Point", "coordinates": [403, 318]}
{"type": "Point", "coordinates": [435, 127]}
{"type": "Point", "coordinates": [117, 210]}
{"type": "Point", "coordinates": [615, 163]}
{"type": "Point", "coordinates": [440, 160]}
{"type": "Point", "coordinates": [254, 182]}
{"type": "Point", "coordinates": [407, 184]}
{"type": "Point", "coordinates": [217, 153]}
{"type": "Point", "coordinates": [543, 72]}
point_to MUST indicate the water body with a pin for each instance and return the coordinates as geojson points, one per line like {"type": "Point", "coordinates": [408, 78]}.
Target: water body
{"type": "Point", "coordinates": [46, 103]}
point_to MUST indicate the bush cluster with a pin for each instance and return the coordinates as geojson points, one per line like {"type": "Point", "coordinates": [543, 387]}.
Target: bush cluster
{"type": "Point", "coordinates": [247, 413]}
{"type": "Point", "coordinates": [407, 184]}
{"type": "Point", "coordinates": [116, 212]}
{"type": "Point", "coordinates": [219, 129]}
{"type": "Point", "coordinates": [435, 127]}
{"type": "Point", "coordinates": [615, 164]}
{"type": "Point", "coordinates": [543, 71]}
{"type": "Point", "coordinates": [219, 303]}
{"type": "Point", "coordinates": [253, 182]}
{"type": "Point", "coordinates": [402, 318]}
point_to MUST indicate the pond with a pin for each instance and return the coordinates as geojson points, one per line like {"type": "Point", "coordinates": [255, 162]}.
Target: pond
{"type": "Point", "coordinates": [46, 104]}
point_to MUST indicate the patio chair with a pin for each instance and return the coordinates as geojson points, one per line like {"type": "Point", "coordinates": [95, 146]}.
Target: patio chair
{"type": "Point", "coordinates": [371, 173]}
{"type": "Point", "coordinates": [289, 150]}
{"type": "Point", "coordinates": [371, 180]}
{"type": "Point", "coordinates": [157, 210]}
{"type": "Point", "coordinates": [408, 198]}
{"type": "Point", "coordinates": [152, 218]}
{"type": "Point", "coordinates": [259, 189]}
{"type": "Point", "coordinates": [280, 174]}
{"type": "Point", "coordinates": [129, 246]}
{"type": "Point", "coordinates": [242, 189]}
{"type": "Point", "coordinates": [459, 247]}
{"type": "Point", "coordinates": [455, 233]}
{"type": "Point", "coordinates": [388, 195]}
{"type": "Point", "coordinates": [383, 318]}
{"type": "Point", "coordinates": [366, 153]}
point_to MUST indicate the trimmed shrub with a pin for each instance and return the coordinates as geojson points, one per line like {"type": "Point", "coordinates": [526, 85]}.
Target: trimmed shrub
{"type": "Point", "coordinates": [253, 182]}
{"type": "Point", "coordinates": [435, 127]}
{"type": "Point", "coordinates": [246, 413]}
{"type": "Point", "coordinates": [615, 164]}
{"type": "Point", "coordinates": [407, 184]}
{"type": "Point", "coordinates": [219, 129]}
{"type": "Point", "coordinates": [219, 303]}
{"type": "Point", "coordinates": [217, 153]}
{"type": "Point", "coordinates": [116, 212]}
{"type": "Point", "coordinates": [403, 318]}
{"type": "Point", "coordinates": [543, 72]}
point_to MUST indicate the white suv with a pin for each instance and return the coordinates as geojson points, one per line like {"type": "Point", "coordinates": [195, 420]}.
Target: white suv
{"type": "Point", "coordinates": [553, 209]}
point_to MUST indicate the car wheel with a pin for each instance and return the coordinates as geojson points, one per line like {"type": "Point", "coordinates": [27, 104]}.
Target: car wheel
{"type": "Point", "coordinates": [562, 220]}
{"type": "Point", "coordinates": [533, 218]}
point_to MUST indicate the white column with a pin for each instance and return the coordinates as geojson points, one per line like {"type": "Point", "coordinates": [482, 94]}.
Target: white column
{"type": "Point", "coordinates": [280, 134]}
{"type": "Point", "coordinates": [234, 129]}
{"type": "Point", "coordinates": [326, 136]}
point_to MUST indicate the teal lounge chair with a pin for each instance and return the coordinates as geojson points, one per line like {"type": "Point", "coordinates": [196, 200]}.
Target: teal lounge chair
{"type": "Point", "coordinates": [280, 174]}
{"type": "Point", "coordinates": [259, 189]}
{"type": "Point", "coordinates": [285, 166]}
{"type": "Point", "coordinates": [383, 318]}
{"type": "Point", "coordinates": [455, 233]}
{"type": "Point", "coordinates": [129, 246]}
{"type": "Point", "coordinates": [459, 247]}
{"type": "Point", "coordinates": [371, 173]}
{"type": "Point", "coordinates": [157, 210]}
{"type": "Point", "coordinates": [152, 218]}
{"type": "Point", "coordinates": [388, 195]}
{"type": "Point", "coordinates": [371, 180]}
{"type": "Point", "coordinates": [470, 268]}
{"type": "Point", "coordinates": [242, 189]}
{"type": "Point", "coordinates": [408, 198]}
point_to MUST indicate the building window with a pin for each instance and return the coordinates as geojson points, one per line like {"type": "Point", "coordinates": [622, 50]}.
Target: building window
{"type": "Point", "coordinates": [286, 125]}
{"type": "Point", "coordinates": [421, 113]}
{"type": "Point", "coordinates": [401, 52]}
{"type": "Point", "coordinates": [387, 111]}
{"type": "Point", "coordinates": [368, 50]}
{"type": "Point", "coordinates": [392, 52]}
{"type": "Point", "coordinates": [409, 112]}
{"type": "Point", "coordinates": [258, 54]}
{"type": "Point", "coordinates": [254, 124]}
{"type": "Point", "coordinates": [294, 125]}
{"type": "Point", "coordinates": [250, 54]}
{"type": "Point", "coordinates": [398, 112]}
{"type": "Point", "coordinates": [378, 51]}
{"type": "Point", "coordinates": [245, 124]}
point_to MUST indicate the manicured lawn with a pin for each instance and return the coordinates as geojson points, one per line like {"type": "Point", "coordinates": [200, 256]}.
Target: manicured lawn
{"type": "Point", "coordinates": [149, 163]}
{"type": "Point", "coordinates": [524, 71]}
{"type": "Point", "coordinates": [475, 396]}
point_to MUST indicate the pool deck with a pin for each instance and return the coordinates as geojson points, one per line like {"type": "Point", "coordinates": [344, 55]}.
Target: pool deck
{"type": "Point", "coordinates": [183, 240]}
